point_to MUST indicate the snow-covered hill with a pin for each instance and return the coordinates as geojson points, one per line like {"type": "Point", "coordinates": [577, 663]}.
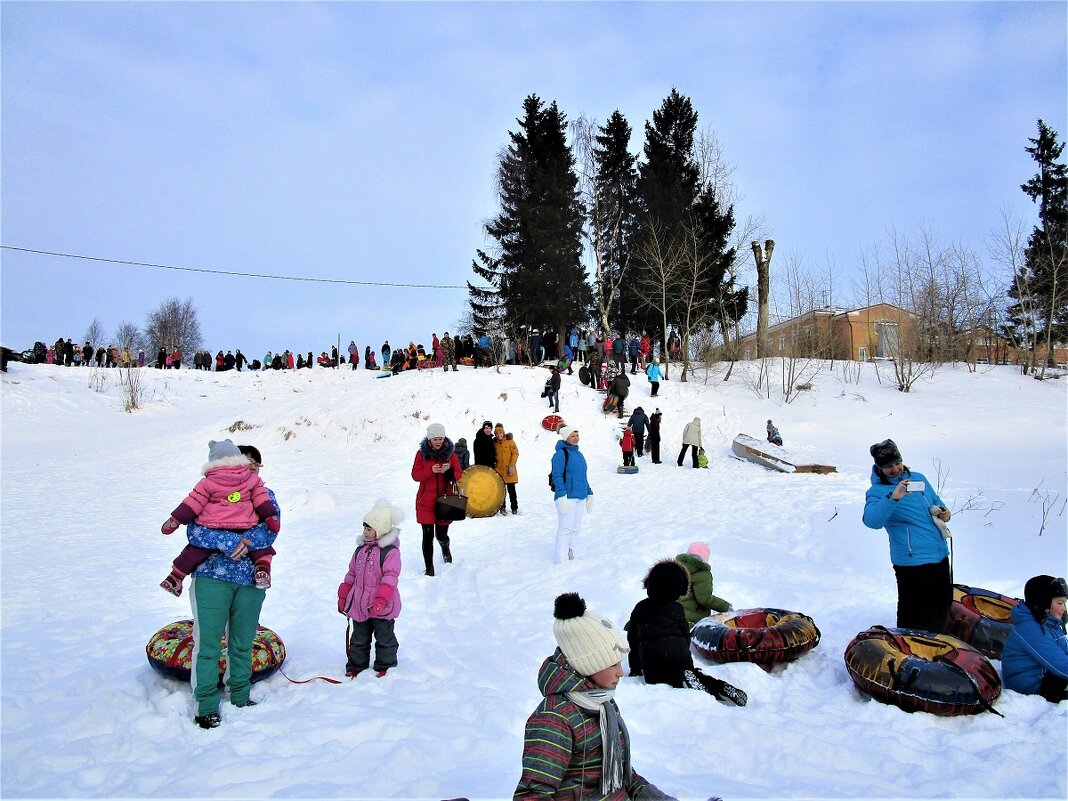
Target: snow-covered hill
{"type": "Point", "coordinates": [86, 485]}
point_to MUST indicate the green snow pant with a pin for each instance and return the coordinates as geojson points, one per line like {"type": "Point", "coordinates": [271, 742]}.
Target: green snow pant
{"type": "Point", "coordinates": [221, 607]}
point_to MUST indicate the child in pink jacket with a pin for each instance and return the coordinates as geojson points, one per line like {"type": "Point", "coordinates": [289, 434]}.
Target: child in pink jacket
{"type": "Point", "coordinates": [230, 497]}
{"type": "Point", "coordinates": [368, 595]}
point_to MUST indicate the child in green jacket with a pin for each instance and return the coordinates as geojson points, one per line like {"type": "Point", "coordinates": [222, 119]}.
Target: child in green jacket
{"type": "Point", "coordinates": [700, 601]}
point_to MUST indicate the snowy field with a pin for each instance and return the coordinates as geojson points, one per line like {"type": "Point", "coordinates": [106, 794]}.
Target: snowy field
{"type": "Point", "coordinates": [85, 487]}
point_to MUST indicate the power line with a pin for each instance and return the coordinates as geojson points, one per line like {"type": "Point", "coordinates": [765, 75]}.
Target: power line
{"type": "Point", "coordinates": [229, 272]}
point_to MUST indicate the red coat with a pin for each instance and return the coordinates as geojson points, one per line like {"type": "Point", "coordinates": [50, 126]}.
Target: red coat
{"type": "Point", "coordinates": [627, 443]}
{"type": "Point", "coordinates": [432, 484]}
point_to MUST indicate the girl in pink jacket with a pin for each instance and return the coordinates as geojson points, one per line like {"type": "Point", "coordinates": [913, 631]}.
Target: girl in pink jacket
{"type": "Point", "coordinates": [229, 497]}
{"type": "Point", "coordinates": [368, 595]}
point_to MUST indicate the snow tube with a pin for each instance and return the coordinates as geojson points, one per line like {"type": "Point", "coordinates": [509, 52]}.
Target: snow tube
{"type": "Point", "coordinates": [762, 636]}
{"type": "Point", "coordinates": [922, 672]}
{"type": "Point", "coordinates": [552, 422]}
{"type": "Point", "coordinates": [627, 469]}
{"type": "Point", "coordinates": [584, 375]}
{"type": "Point", "coordinates": [981, 618]}
{"type": "Point", "coordinates": [484, 489]}
{"type": "Point", "coordinates": [170, 652]}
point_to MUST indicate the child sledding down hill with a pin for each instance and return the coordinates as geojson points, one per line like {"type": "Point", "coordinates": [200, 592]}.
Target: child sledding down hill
{"type": "Point", "coordinates": [659, 637]}
{"type": "Point", "coordinates": [229, 497]}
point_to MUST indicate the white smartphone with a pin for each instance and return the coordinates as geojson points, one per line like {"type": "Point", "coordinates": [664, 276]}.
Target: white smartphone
{"type": "Point", "coordinates": [916, 486]}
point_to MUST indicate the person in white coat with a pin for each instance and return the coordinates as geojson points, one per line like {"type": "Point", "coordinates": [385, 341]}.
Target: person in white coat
{"type": "Point", "coordinates": [691, 438]}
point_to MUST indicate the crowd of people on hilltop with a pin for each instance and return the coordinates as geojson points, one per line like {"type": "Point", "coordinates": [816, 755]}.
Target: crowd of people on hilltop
{"type": "Point", "coordinates": [530, 346]}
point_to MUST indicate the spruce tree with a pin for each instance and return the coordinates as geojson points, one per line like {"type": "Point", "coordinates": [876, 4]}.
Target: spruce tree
{"type": "Point", "coordinates": [1047, 248]}
{"type": "Point", "coordinates": [615, 188]}
{"type": "Point", "coordinates": [536, 278]}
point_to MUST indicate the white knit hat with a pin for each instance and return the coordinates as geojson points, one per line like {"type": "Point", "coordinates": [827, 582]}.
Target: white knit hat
{"type": "Point", "coordinates": [566, 431]}
{"type": "Point", "coordinates": [435, 430]}
{"type": "Point", "coordinates": [383, 517]}
{"type": "Point", "coordinates": [589, 642]}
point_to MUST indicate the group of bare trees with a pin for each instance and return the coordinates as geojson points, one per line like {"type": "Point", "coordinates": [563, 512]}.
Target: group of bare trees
{"type": "Point", "coordinates": [173, 324]}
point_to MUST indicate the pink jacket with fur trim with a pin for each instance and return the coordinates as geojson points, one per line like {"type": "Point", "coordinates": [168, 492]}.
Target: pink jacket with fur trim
{"type": "Point", "coordinates": [230, 496]}
{"type": "Point", "coordinates": [369, 589]}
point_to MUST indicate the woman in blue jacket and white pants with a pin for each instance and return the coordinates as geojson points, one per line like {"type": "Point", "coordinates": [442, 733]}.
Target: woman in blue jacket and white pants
{"type": "Point", "coordinates": [573, 494]}
{"type": "Point", "coordinates": [903, 502]}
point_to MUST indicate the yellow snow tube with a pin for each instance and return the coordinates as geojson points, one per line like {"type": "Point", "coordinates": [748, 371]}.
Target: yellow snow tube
{"type": "Point", "coordinates": [484, 490]}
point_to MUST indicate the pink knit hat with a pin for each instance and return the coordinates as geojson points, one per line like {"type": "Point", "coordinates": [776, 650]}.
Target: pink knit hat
{"type": "Point", "coordinates": [698, 549]}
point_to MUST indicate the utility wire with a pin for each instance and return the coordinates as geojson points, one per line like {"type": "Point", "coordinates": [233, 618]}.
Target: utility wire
{"type": "Point", "coordinates": [230, 272]}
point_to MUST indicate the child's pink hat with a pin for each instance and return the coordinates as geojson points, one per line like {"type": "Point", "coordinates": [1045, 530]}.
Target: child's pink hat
{"type": "Point", "coordinates": [698, 549]}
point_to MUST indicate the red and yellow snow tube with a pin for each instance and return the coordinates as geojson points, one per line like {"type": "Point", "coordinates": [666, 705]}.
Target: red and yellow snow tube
{"type": "Point", "coordinates": [762, 636]}
{"type": "Point", "coordinates": [922, 672]}
{"type": "Point", "coordinates": [981, 618]}
{"type": "Point", "coordinates": [170, 652]}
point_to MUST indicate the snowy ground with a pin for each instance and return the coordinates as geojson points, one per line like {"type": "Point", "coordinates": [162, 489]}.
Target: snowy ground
{"type": "Point", "coordinates": [85, 487]}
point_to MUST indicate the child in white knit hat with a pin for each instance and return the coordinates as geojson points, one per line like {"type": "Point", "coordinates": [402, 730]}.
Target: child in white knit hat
{"type": "Point", "coordinates": [561, 749]}
{"type": "Point", "coordinates": [369, 596]}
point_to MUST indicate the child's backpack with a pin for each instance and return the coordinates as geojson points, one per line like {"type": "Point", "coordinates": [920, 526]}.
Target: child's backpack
{"type": "Point", "coordinates": [552, 484]}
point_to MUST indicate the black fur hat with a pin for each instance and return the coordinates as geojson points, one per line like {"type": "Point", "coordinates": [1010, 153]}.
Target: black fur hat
{"type": "Point", "coordinates": [1039, 593]}
{"type": "Point", "coordinates": [884, 453]}
{"type": "Point", "coordinates": [666, 581]}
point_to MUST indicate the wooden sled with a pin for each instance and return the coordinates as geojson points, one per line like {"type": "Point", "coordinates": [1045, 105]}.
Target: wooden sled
{"type": "Point", "coordinates": [773, 457]}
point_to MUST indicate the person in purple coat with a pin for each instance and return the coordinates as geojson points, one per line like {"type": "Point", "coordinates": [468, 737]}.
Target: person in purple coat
{"type": "Point", "coordinates": [368, 595]}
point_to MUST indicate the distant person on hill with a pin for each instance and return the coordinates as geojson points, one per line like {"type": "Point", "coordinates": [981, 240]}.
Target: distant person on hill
{"type": "Point", "coordinates": [659, 637]}
{"type": "Point", "coordinates": [655, 374]}
{"type": "Point", "coordinates": [463, 454]}
{"type": "Point", "coordinates": [1035, 658]}
{"type": "Point", "coordinates": [691, 438]}
{"type": "Point", "coordinates": [507, 455]}
{"type": "Point", "coordinates": [901, 501]}
{"type": "Point", "coordinates": [638, 423]}
{"type": "Point", "coordinates": [485, 450]}
{"type": "Point", "coordinates": [620, 388]}
{"type": "Point", "coordinates": [576, 745]}
{"type": "Point", "coordinates": [654, 435]}
{"type": "Point", "coordinates": [626, 443]}
{"type": "Point", "coordinates": [230, 496]}
{"type": "Point", "coordinates": [699, 601]}
{"type": "Point", "coordinates": [773, 434]}
{"type": "Point", "coordinates": [369, 596]}
{"type": "Point", "coordinates": [448, 349]}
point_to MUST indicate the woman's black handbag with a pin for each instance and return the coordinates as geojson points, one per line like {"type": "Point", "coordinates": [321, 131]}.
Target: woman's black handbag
{"type": "Point", "coordinates": [451, 507]}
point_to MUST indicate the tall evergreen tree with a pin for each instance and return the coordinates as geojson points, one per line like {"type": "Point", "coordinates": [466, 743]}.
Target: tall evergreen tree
{"type": "Point", "coordinates": [536, 278]}
{"type": "Point", "coordinates": [615, 187]}
{"type": "Point", "coordinates": [679, 207]}
{"type": "Point", "coordinates": [1046, 279]}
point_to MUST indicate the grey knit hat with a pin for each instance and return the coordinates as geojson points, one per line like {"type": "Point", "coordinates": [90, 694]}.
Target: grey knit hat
{"type": "Point", "coordinates": [224, 449]}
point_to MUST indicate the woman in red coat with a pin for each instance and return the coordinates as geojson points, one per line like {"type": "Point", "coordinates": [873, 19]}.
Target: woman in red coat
{"type": "Point", "coordinates": [436, 467]}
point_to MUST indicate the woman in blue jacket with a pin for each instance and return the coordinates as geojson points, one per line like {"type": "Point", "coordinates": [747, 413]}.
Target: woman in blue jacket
{"type": "Point", "coordinates": [1035, 658]}
{"type": "Point", "coordinates": [572, 492]}
{"type": "Point", "coordinates": [901, 501]}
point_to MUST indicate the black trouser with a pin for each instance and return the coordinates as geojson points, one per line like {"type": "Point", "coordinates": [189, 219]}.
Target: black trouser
{"type": "Point", "coordinates": [430, 533]}
{"type": "Point", "coordinates": [682, 454]}
{"type": "Point", "coordinates": [386, 645]}
{"type": "Point", "coordinates": [511, 497]}
{"type": "Point", "coordinates": [634, 364]}
{"type": "Point", "coordinates": [924, 594]}
{"type": "Point", "coordinates": [654, 449]}
{"type": "Point", "coordinates": [656, 388]}
{"type": "Point", "coordinates": [628, 458]}
{"type": "Point", "coordinates": [1053, 688]}
{"type": "Point", "coordinates": [639, 444]}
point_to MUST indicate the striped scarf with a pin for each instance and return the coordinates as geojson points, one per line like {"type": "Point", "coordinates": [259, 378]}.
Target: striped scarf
{"type": "Point", "coordinates": [616, 763]}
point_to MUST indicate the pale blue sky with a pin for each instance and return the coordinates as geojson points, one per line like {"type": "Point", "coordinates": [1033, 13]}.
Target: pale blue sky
{"type": "Point", "coordinates": [359, 141]}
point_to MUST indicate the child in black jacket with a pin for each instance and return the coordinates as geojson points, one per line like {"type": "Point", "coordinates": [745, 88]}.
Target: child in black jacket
{"type": "Point", "coordinates": [659, 636]}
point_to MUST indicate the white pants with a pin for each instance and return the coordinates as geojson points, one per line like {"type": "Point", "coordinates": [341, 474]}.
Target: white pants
{"type": "Point", "coordinates": [567, 529]}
